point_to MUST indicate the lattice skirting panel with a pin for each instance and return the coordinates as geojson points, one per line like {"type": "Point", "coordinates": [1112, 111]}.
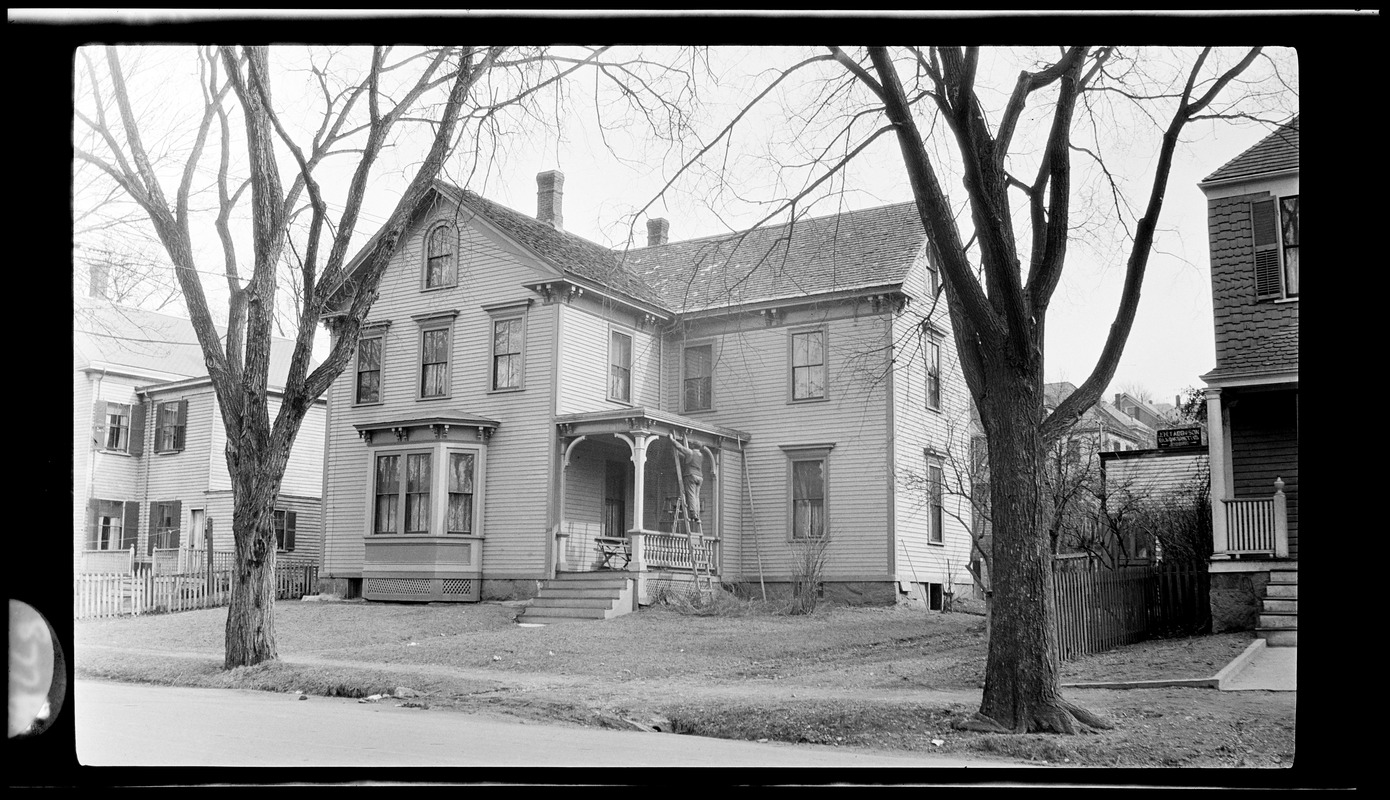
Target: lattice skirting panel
{"type": "Point", "coordinates": [460, 590]}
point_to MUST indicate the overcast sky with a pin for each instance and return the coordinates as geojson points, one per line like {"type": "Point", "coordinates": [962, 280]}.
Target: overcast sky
{"type": "Point", "coordinates": [1172, 340]}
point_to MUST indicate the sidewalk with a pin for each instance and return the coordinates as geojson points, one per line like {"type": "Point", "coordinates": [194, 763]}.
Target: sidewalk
{"type": "Point", "coordinates": [1260, 667]}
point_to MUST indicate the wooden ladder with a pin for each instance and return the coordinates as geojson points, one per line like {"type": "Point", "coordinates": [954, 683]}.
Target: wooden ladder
{"type": "Point", "coordinates": [693, 531]}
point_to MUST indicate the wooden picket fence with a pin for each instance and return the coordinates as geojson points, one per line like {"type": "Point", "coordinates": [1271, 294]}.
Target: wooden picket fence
{"type": "Point", "coordinates": [144, 591]}
{"type": "Point", "coordinates": [1101, 609]}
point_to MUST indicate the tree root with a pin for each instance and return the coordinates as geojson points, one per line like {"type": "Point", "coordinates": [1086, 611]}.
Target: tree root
{"type": "Point", "coordinates": [1064, 717]}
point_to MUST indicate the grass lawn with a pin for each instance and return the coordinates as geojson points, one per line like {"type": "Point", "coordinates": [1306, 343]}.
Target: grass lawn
{"type": "Point", "coordinates": [874, 677]}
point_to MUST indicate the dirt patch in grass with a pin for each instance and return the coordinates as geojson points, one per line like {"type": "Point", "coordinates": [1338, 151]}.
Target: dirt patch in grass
{"type": "Point", "coordinates": [886, 678]}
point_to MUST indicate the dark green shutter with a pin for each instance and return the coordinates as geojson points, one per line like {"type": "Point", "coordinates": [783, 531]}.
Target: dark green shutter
{"type": "Point", "coordinates": [93, 505]}
{"type": "Point", "coordinates": [1264, 225]}
{"type": "Point", "coordinates": [99, 424]}
{"type": "Point", "coordinates": [137, 428]}
{"type": "Point", "coordinates": [289, 531]}
{"type": "Point", "coordinates": [178, 523]}
{"type": "Point", "coordinates": [180, 425]}
{"type": "Point", "coordinates": [130, 529]}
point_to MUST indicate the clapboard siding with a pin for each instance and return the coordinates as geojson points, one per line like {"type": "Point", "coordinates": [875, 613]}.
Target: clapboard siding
{"type": "Point", "coordinates": [1158, 477]}
{"type": "Point", "coordinates": [1264, 446]}
{"type": "Point", "coordinates": [182, 476]}
{"type": "Point", "coordinates": [584, 365]}
{"type": "Point", "coordinates": [517, 477]}
{"type": "Point", "coordinates": [751, 390]}
{"type": "Point", "coordinates": [917, 429]}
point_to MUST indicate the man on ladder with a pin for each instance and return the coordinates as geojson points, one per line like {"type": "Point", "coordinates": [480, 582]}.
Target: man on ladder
{"type": "Point", "coordinates": [690, 472]}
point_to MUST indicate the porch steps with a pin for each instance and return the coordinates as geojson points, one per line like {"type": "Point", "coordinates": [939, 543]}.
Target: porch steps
{"type": "Point", "coordinates": [580, 597]}
{"type": "Point", "coordinates": [1278, 618]}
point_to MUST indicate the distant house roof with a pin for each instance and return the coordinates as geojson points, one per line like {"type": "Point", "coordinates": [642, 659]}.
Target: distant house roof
{"type": "Point", "coordinates": [1277, 152]}
{"type": "Point", "coordinates": [1101, 413]}
{"type": "Point", "coordinates": [157, 347]}
{"type": "Point", "coordinates": [851, 250]}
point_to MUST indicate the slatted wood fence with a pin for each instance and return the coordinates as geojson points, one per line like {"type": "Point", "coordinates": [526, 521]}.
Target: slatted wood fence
{"type": "Point", "coordinates": [1101, 609]}
{"type": "Point", "coordinates": [144, 591]}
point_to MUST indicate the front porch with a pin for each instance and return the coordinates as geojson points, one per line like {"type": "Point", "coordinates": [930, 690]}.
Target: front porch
{"type": "Point", "coordinates": [634, 505]}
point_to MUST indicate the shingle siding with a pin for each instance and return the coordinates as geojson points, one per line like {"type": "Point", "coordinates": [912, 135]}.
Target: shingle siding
{"type": "Point", "coordinates": [1250, 334]}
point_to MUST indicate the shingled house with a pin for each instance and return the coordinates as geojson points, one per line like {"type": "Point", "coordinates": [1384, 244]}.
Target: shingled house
{"type": "Point", "coordinates": [1252, 394]}
{"type": "Point", "coordinates": [510, 424]}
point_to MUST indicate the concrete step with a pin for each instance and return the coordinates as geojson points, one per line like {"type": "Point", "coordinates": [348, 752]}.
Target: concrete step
{"type": "Point", "coordinates": [1279, 637]}
{"type": "Point", "coordinates": [561, 611]}
{"type": "Point", "coordinates": [607, 586]}
{"type": "Point", "coordinates": [570, 590]}
{"type": "Point", "coordinates": [543, 620]}
{"type": "Point", "coordinates": [1280, 604]}
{"type": "Point", "coordinates": [594, 575]}
{"type": "Point", "coordinates": [1281, 590]}
{"type": "Point", "coordinates": [1277, 620]}
{"type": "Point", "coordinates": [1282, 575]}
{"type": "Point", "coordinates": [573, 602]}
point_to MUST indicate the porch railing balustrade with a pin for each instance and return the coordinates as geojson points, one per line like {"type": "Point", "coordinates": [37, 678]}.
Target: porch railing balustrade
{"type": "Point", "coordinates": [107, 562]}
{"type": "Point", "coordinates": [1257, 526]}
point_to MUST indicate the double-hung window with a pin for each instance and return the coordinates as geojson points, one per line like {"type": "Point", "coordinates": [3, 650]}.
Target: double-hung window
{"type": "Point", "coordinates": [171, 420]}
{"type": "Point", "coordinates": [461, 471]}
{"type": "Point", "coordinates": [441, 268]}
{"type": "Point", "coordinates": [932, 350]}
{"type": "Point", "coordinates": [117, 428]}
{"type": "Point", "coordinates": [620, 367]}
{"type": "Point", "coordinates": [164, 525]}
{"type": "Point", "coordinates": [698, 377]}
{"type": "Point", "coordinates": [936, 534]}
{"type": "Point", "coordinates": [808, 365]}
{"type": "Point", "coordinates": [402, 493]}
{"type": "Point", "coordinates": [369, 369]}
{"type": "Point", "coordinates": [285, 523]}
{"type": "Point", "coordinates": [808, 476]}
{"type": "Point", "coordinates": [507, 340]}
{"type": "Point", "coordinates": [112, 525]}
{"type": "Point", "coordinates": [1274, 227]}
{"type": "Point", "coordinates": [436, 348]}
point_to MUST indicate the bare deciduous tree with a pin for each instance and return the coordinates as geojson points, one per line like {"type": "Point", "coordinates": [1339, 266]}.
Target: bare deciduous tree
{"type": "Point", "coordinates": [360, 105]}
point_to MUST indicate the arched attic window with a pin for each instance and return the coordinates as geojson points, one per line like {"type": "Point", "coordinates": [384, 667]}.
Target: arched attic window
{"type": "Point", "coordinates": [441, 265]}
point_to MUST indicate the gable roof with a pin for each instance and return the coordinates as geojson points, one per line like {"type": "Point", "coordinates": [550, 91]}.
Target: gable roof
{"type": "Point", "coordinates": [850, 250]}
{"type": "Point", "coordinates": [147, 344]}
{"type": "Point", "coordinates": [567, 253]}
{"type": "Point", "coordinates": [1277, 152]}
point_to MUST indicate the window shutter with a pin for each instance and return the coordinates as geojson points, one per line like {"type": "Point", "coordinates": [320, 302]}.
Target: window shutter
{"type": "Point", "coordinates": [130, 529]}
{"type": "Point", "coordinates": [181, 425]}
{"type": "Point", "coordinates": [1264, 224]}
{"type": "Point", "coordinates": [92, 505]}
{"type": "Point", "coordinates": [178, 522]}
{"type": "Point", "coordinates": [289, 530]}
{"type": "Point", "coordinates": [99, 424]}
{"type": "Point", "coordinates": [154, 511]}
{"type": "Point", "coordinates": [137, 429]}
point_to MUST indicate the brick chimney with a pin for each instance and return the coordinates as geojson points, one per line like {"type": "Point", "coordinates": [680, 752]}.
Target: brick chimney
{"type": "Point", "coordinates": [656, 231]}
{"type": "Point", "coordinates": [550, 196]}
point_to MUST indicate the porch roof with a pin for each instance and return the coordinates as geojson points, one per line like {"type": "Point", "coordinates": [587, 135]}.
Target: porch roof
{"type": "Point", "coordinates": [626, 420]}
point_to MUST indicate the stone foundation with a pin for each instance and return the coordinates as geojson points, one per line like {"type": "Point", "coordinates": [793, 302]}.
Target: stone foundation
{"type": "Point", "coordinates": [1235, 600]}
{"type": "Point", "coordinates": [848, 593]}
{"type": "Point", "coordinates": [523, 589]}
{"type": "Point", "coordinates": [342, 588]}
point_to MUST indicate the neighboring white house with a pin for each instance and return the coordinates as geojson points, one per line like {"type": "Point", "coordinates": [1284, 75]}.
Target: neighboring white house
{"type": "Point", "coordinates": [149, 463]}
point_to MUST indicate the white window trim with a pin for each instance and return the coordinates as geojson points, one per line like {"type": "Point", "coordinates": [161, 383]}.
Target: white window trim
{"type": "Point", "coordinates": [631, 361]}
{"type": "Point", "coordinates": [935, 461]}
{"type": "Point", "coordinates": [443, 320]}
{"type": "Point", "coordinates": [425, 255]}
{"type": "Point", "coordinates": [806, 452]}
{"type": "Point", "coordinates": [378, 333]}
{"type": "Point", "coordinates": [710, 343]}
{"type": "Point", "coordinates": [503, 313]}
{"type": "Point", "coordinates": [792, 333]}
{"type": "Point", "coordinates": [439, 487]}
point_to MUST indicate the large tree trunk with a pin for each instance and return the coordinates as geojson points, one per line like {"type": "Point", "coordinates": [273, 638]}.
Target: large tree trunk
{"type": "Point", "coordinates": [1022, 686]}
{"type": "Point", "coordinates": [250, 632]}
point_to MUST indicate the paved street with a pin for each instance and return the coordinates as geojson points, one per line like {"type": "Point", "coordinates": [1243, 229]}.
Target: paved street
{"type": "Point", "coordinates": [135, 725]}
